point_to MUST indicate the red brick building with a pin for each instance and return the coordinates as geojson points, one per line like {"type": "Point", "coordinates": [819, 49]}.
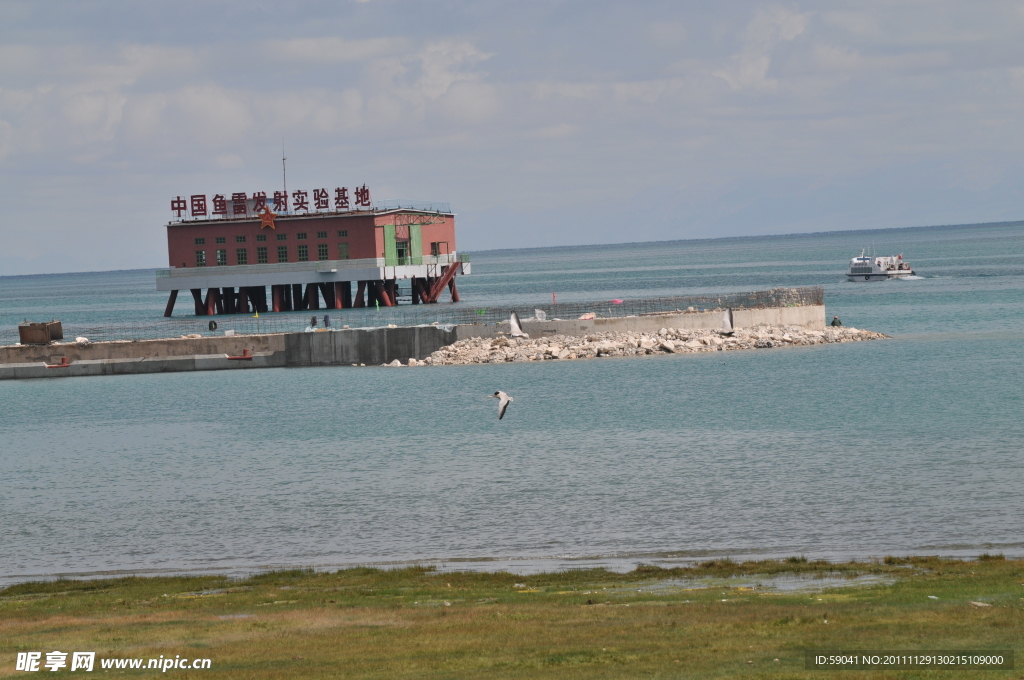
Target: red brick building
{"type": "Point", "coordinates": [340, 259]}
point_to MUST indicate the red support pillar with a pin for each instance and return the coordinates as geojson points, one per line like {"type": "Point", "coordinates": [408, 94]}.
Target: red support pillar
{"type": "Point", "coordinates": [312, 296]}
{"type": "Point", "coordinates": [391, 289]}
{"type": "Point", "coordinates": [170, 303]}
{"type": "Point", "coordinates": [277, 296]}
{"type": "Point", "coordinates": [243, 301]}
{"type": "Point", "coordinates": [382, 294]}
{"type": "Point", "coordinates": [360, 298]}
{"type": "Point", "coordinates": [338, 300]}
{"type": "Point", "coordinates": [211, 301]}
{"type": "Point", "coordinates": [454, 291]}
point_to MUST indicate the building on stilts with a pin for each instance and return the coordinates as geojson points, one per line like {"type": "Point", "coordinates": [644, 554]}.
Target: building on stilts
{"type": "Point", "coordinates": [261, 260]}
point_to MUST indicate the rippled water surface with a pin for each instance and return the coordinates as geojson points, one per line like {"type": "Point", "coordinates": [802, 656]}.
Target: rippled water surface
{"type": "Point", "coordinates": [910, 445]}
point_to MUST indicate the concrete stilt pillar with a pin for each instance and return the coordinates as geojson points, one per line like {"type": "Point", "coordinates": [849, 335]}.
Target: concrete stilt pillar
{"type": "Point", "coordinates": [277, 297]}
{"type": "Point", "coordinates": [197, 296]}
{"type": "Point", "coordinates": [170, 303]}
{"type": "Point", "coordinates": [312, 296]}
{"type": "Point", "coordinates": [297, 301]}
{"type": "Point", "coordinates": [243, 301]}
{"type": "Point", "coordinates": [346, 294]}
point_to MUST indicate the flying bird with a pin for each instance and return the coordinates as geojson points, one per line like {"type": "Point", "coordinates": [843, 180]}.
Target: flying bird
{"type": "Point", "coordinates": [503, 401]}
{"type": "Point", "coordinates": [516, 326]}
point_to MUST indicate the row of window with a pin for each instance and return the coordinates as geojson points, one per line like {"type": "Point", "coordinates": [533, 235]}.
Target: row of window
{"type": "Point", "coordinates": [242, 254]}
{"type": "Point", "coordinates": [301, 236]}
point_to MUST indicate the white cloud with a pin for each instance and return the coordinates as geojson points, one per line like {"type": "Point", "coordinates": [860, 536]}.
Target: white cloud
{"type": "Point", "coordinates": [522, 101]}
{"type": "Point", "coordinates": [333, 50]}
{"type": "Point", "coordinates": [769, 27]}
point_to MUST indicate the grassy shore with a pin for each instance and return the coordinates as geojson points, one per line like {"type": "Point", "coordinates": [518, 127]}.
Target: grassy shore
{"type": "Point", "coordinates": [417, 623]}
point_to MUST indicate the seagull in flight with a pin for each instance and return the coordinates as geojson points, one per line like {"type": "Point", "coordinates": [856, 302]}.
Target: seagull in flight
{"type": "Point", "coordinates": [503, 401]}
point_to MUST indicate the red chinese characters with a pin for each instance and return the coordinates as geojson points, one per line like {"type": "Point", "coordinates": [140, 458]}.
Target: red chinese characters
{"type": "Point", "coordinates": [280, 200]}
{"type": "Point", "coordinates": [321, 199]}
{"type": "Point", "coordinates": [363, 197]}
{"type": "Point", "coordinates": [220, 205]}
{"type": "Point", "coordinates": [238, 206]}
{"type": "Point", "coordinates": [238, 203]}
{"type": "Point", "coordinates": [341, 198]}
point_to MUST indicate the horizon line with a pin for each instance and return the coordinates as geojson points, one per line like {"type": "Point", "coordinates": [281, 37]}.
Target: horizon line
{"type": "Point", "coordinates": [624, 243]}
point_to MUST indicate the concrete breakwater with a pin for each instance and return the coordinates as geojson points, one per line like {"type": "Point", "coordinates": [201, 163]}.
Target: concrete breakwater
{"type": "Point", "coordinates": [280, 350]}
{"type": "Point", "coordinates": [666, 340]}
{"type": "Point", "coordinates": [376, 346]}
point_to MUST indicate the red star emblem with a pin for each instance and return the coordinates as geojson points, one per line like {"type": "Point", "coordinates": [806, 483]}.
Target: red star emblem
{"type": "Point", "coordinates": [267, 218]}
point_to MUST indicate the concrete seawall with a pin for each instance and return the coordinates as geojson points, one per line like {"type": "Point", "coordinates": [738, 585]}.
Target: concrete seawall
{"type": "Point", "coordinates": [811, 316]}
{"type": "Point", "coordinates": [373, 346]}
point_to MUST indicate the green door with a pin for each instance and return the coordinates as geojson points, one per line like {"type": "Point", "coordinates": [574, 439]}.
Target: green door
{"type": "Point", "coordinates": [390, 252]}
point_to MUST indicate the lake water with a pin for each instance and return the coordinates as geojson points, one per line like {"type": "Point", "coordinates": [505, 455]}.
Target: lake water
{"type": "Point", "coordinates": [904, 446]}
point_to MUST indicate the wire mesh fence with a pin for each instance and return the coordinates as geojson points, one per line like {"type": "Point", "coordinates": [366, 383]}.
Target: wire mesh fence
{"type": "Point", "coordinates": [413, 315]}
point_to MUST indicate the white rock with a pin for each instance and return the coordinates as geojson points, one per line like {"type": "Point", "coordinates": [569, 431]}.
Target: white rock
{"type": "Point", "coordinates": [396, 362]}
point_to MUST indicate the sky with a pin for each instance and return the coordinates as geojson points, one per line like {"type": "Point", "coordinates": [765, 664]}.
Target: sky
{"type": "Point", "coordinates": [541, 123]}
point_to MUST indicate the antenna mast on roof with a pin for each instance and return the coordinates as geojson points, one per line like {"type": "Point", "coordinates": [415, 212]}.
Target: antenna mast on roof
{"type": "Point", "coordinates": [284, 173]}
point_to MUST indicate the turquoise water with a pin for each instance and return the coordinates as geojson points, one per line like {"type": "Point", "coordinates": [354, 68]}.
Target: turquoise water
{"type": "Point", "coordinates": [910, 445]}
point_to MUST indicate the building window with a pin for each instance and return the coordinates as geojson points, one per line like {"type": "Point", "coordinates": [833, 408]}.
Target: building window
{"type": "Point", "coordinates": [343, 233]}
{"type": "Point", "coordinates": [434, 249]}
{"type": "Point", "coordinates": [222, 256]}
{"type": "Point", "coordinates": [282, 237]}
{"type": "Point", "coordinates": [303, 253]}
{"type": "Point", "coordinates": [282, 253]}
{"type": "Point", "coordinates": [239, 239]}
{"type": "Point", "coordinates": [242, 256]}
{"type": "Point", "coordinates": [200, 241]}
{"type": "Point", "coordinates": [321, 234]}
{"type": "Point", "coordinates": [301, 236]}
{"type": "Point", "coordinates": [200, 258]}
{"type": "Point", "coordinates": [321, 251]}
{"type": "Point", "coordinates": [261, 255]}
{"type": "Point", "coordinates": [221, 239]}
{"type": "Point", "coordinates": [261, 237]}
{"type": "Point", "coordinates": [342, 251]}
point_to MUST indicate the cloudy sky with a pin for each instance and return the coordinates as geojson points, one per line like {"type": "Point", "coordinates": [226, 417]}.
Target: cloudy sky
{"type": "Point", "coordinates": [542, 123]}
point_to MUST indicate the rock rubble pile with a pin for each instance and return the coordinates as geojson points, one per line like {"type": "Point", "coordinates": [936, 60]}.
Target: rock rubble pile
{"type": "Point", "coordinates": [668, 340]}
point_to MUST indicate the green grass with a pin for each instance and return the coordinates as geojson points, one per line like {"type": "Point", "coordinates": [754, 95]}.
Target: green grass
{"type": "Point", "coordinates": [417, 623]}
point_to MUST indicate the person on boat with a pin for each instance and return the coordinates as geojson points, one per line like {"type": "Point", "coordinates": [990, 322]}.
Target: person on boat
{"type": "Point", "coordinates": [836, 321]}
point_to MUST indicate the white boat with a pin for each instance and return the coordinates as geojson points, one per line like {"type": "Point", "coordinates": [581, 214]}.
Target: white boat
{"type": "Point", "coordinates": [878, 267]}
